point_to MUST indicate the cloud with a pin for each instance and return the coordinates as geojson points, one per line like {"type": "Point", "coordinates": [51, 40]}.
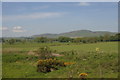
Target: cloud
{"type": "Point", "coordinates": [18, 29]}
{"type": "Point", "coordinates": [32, 8]}
{"type": "Point", "coordinates": [40, 15]}
{"type": "Point", "coordinates": [40, 7]}
{"type": "Point", "coordinates": [14, 29]}
{"type": "Point", "coordinates": [84, 4]}
{"type": "Point", "coordinates": [4, 28]}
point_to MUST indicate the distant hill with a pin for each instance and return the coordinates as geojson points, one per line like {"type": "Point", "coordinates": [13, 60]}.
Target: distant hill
{"type": "Point", "coordinates": [78, 33]}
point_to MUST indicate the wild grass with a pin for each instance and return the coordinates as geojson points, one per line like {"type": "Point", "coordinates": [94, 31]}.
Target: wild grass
{"type": "Point", "coordinates": [18, 64]}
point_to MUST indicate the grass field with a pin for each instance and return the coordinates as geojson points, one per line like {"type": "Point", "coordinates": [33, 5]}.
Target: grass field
{"type": "Point", "coordinates": [18, 64]}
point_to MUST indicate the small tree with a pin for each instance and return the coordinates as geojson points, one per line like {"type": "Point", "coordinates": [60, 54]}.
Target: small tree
{"type": "Point", "coordinates": [11, 41]}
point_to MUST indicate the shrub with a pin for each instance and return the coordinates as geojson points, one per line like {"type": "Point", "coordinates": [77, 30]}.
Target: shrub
{"type": "Point", "coordinates": [68, 63]}
{"type": "Point", "coordinates": [44, 52]}
{"type": "Point", "coordinates": [49, 65]}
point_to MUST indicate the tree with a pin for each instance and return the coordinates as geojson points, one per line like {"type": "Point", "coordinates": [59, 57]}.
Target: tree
{"type": "Point", "coordinates": [64, 39]}
{"type": "Point", "coordinates": [77, 40]}
{"type": "Point", "coordinates": [11, 41]}
{"type": "Point", "coordinates": [117, 37]}
{"type": "Point", "coordinates": [41, 39]}
{"type": "Point", "coordinates": [2, 40]}
{"type": "Point", "coordinates": [106, 37]}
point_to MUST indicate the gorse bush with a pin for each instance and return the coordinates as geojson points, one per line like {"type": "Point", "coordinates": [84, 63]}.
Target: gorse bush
{"type": "Point", "coordinates": [46, 62]}
{"type": "Point", "coordinates": [68, 63]}
{"type": "Point", "coordinates": [49, 65]}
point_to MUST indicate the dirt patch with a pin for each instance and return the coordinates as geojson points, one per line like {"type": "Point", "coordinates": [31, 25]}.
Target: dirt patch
{"type": "Point", "coordinates": [57, 55]}
{"type": "Point", "coordinates": [53, 54]}
{"type": "Point", "coordinates": [32, 53]}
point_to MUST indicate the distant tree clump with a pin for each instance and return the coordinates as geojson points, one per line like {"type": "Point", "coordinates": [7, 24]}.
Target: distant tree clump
{"type": "Point", "coordinates": [41, 39]}
{"type": "Point", "coordinates": [11, 41]}
{"type": "Point", "coordinates": [64, 39]}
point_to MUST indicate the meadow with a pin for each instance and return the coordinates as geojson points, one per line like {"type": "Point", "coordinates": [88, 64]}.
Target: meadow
{"type": "Point", "coordinates": [17, 63]}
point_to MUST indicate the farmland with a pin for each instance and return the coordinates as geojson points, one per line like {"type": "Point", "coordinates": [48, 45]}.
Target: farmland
{"type": "Point", "coordinates": [17, 63]}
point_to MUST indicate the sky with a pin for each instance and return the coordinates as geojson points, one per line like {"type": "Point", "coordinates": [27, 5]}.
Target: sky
{"type": "Point", "coordinates": [23, 19]}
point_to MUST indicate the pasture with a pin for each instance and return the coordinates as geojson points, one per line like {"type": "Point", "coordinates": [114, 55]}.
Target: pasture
{"type": "Point", "coordinates": [17, 63]}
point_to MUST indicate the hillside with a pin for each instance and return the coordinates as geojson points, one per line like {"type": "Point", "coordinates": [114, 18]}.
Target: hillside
{"type": "Point", "coordinates": [78, 33]}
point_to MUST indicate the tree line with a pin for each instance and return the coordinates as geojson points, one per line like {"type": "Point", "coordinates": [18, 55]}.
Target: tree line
{"type": "Point", "coordinates": [62, 39]}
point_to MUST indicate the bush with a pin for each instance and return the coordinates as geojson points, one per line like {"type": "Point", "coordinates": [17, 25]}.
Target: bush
{"type": "Point", "coordinates": [49, 65]}
{"type": "Point", "coordinates": [44, 52]}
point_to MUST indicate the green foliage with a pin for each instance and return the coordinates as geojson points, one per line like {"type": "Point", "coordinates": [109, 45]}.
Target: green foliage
{"type": "Point", "coordinates": [11, 41]}
{"type": "Point", "coordinates": [64, 39]}
{"type": "Point", "coordinates": [21, 65]}
{"type": "Point", "coordinates": [41, 39]}
{"type": "Point", "coordinates": [44, 52]}
{"type": "Point", "coordinates": [8, 58]}
{"type": "Point", "coordinates": [103, 38]}
{"type": "Point", "coordinates": [77, 40]}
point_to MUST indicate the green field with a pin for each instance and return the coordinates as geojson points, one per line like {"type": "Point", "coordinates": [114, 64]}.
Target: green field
{"type": "Point", "coordinates": [18, 64]}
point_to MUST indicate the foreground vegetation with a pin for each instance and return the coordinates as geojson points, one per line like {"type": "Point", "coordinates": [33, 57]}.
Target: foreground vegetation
{"type": "Point", "coordinates": [18, 63]}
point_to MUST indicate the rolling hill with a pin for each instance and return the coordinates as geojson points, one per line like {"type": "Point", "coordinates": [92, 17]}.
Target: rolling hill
{"type": "Point", "coordinates": [78, 33]}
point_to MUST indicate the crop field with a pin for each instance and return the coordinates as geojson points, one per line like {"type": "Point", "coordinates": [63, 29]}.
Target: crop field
{"type": "Point", "coordinates": [19, 62]}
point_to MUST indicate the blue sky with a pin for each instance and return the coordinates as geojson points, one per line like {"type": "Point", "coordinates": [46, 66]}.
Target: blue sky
{"type": "Point", "coordinates": [31, 18]}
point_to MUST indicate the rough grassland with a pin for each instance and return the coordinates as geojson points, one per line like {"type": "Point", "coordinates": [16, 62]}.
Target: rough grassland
{"type": "Point", "coordinates": [17, 64]}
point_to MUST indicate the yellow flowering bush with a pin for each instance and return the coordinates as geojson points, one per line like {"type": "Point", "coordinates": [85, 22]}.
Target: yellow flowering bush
{"type": "Point", "coordinates": [48, 65]}
{"type": "Point", "coordinates": [68, 63]}
{"type": "Point", "coordinates": [83, 75]}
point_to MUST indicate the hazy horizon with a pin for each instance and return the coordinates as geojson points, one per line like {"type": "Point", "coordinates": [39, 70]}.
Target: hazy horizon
{"type": "Point", "coordinates": [55, 33]}
{"type": "Point", "coordinates": [26, 19]}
